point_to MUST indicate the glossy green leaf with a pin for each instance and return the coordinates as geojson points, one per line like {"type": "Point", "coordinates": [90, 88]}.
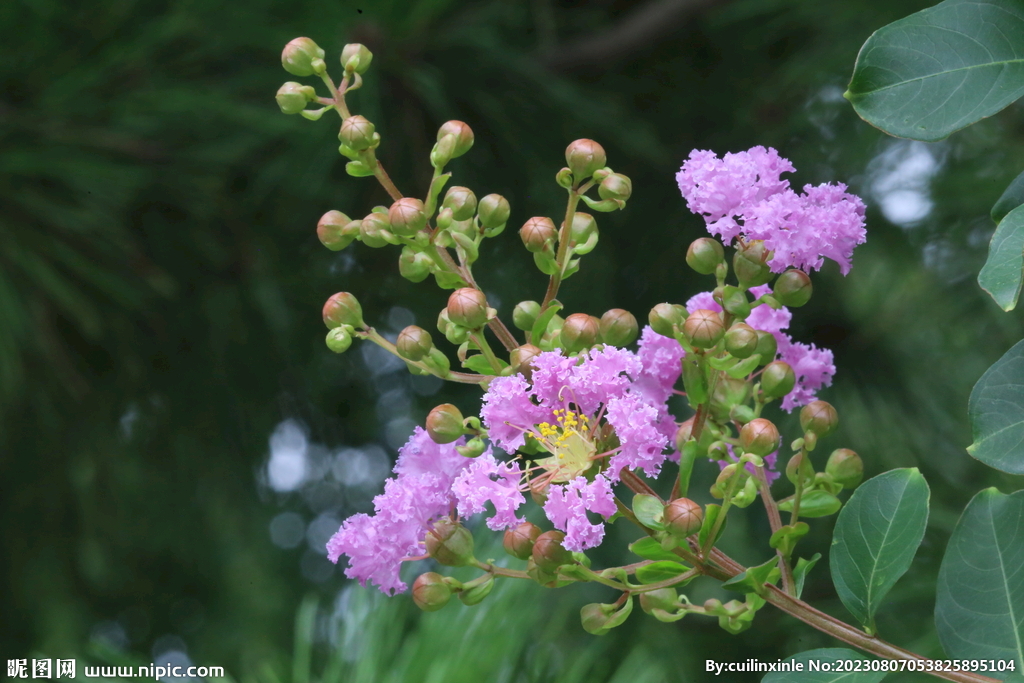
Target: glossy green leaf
{"type": "Point", "coordinates": [941, 69]}
{"type": "Point", "coordinates": [979, 604]}
{"type": "Point", "coordinates": [649, 510]}
{"type": "Point", "coordinates": [816, 503]}
{"type": "Point", "coordinates": [801, 570]}
{"type": "Point", "coordinates": [826, 659]}
{"type": "Point", "coordinates": [1003, 270]}
{"type": "Point", "coordinates": [876, 537]}
{"type": "Point", "coordinates": [996, 410]}
{"type": "Point", "coordinates": [753, 579]}
{"type": "Point", "coordinates": [650, 549]}
{"type": "Point", "coordinates": [1012, 197]}
{"type": "Point", "coordinates": [660, 571]}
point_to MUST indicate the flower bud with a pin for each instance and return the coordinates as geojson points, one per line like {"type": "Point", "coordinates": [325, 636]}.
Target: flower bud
{"type": "Point", "coordinates": [777, 379]}
{"type": "Point", "coordinates": [683, 517]}
{"type": "Point", "coordinates": [449, 543]}
{"type": "Point", "coordinates": [493, 211]}
{"type": "Point", "coordinates": [666, 599]}
{"type": "Point", "coordinates": [414, 343]}
{"type": "Point", "coordinates": [521, 359]}
{"type": "Point", "coordinates": [524, 315]}
{"type": "Point", "coordinates": [583, 157]}
{"type": "Point", "coordinates": [793, 288]}
{"type": "Point", "coordinates": [355, 57]}
{"type": "Point", "coordinates": [519, 540]}
{"type": "Point", "coordinates": [430, 592]}
{"type": "Point", "coordinates": [663, 318]}
{"type": "Point", "coordinates": [357, 132]}
{"type": "Point", "coordinates": [302, 57]}
{"type": "Point", "coordinates": [759, 437]}
{"type": "Point", "coordinates": [721, 485]}
{"type": "Point", "coordinates": [598, 619]}
{"type": "Point", "coordinates": [292, 97]}
{"type": "Point", "coordinates": [615, 186]}
{"type": "Point", "coordinates": [579, 332]}
{"type": "Point", "coordinates": [729, 392]}
{"type": "Point", "coordinates": [445, 424]}
{"type": "Point", "coordinates": [414, 265]}
{"type": "Point", "coordinates": [343, 309]}
{"type": "Point", "coordinates": [474, 448]}
{"type": "Point", "coordinates": [703, 328]}
{"type": "Point", "coordinates": [537, 233]}
{"type": "Point", "coordinates": [819, 418]}
{"type": "Point", "coordinates": [548, 552]}
{"type": "Point", "coordinates": [373, 230]}
{"type": "Point", "coordinates": [584, 232]}
{"type": "Point", "coordinates": [336, 230]}
{"type": "Point", "coordinates": [767, 346]}
{"type": "Point", "coordinates": [799, 467]}
{"type": "Point", "coordinates": [462, 133]}
{"type": "Point", "coordinates": [845, 467]}
{"type": "Point", "coordinates": [461, 201]}
{"type": "Point", "coordinates": [704, 255]}
{"type": "Point", "coordinates": [468, 307]}
{"type": "Point", "coordinates": [741, 340]}
{"type": "Point", "coordinates": [407, 217]}
{"type": "Point", "coordinates": [750, 264]}
{"type": "Point", "coordinates": [735, 301]}
{"type": "Point", "coordinates": [618, 327]}
{"type": "Point", "coordinates": [339, 339]}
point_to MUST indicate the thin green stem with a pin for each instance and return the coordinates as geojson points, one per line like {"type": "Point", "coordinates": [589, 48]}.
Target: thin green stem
{"type": "Point", "coordinates": [460, 377]}
{"type": "Point", "coordinates": [795, 515]}
{"type": "Point", "coordinates": [775, 521]}
{"type": "Point", "coordinates": [564, 237]}
{"type": "Point", "coordinates": [720, 520]}
{"type": "Point", "coordinates": [485, 349]}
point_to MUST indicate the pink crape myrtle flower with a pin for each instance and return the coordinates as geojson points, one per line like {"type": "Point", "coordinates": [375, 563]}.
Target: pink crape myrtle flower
{"type": "Point", "coordinates": [814, 367]}
{"type": "Point", "coordinates": [567, 508]}
{"type": "Point", "coordinates": [488, 481]}
{"type": "Point", "coordinates": [741, 196]}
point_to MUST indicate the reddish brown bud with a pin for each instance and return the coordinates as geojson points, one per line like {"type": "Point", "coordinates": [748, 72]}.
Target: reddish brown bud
{"type": "Point", "coordinates": [583, 157]}
{"type": "Point", "coordinates": [619, 327]}
{"type": "Point", "coordinates": [343, 309]}
{"type": "Point", "coordinates": [703, 328]}
{"type": "Point", "coordinates": [357, 132]}
{"type": "Point", "coordinates": [302, 57]}
{"type": "Point", "coordinates": [537, 233]}
{"type": "Point", "coordinates": [759, 436]}
{"type": "Point", "coordinates": [430, 592]}
{"type": "Point", "coordinates": [462, 202]}
{"type": "Point", "coordinates": [819, 418]}
{"type": "Point", "coordinates": [521, 359]}
{"type": "Point", "coordinates": [407, 216]}
{"type": "Point", "coordinates": [579, 332]}
{"type": "Point", "coordinates": [548, 552]}
{"type": "Point", "coordinates": [449, 543]}
{"type": "Point", "coordinates": [445, 424]}
{"type": "Point", "coordinates": [468, 307]}
{"type": "Point", "coordinates": [414, 343]}
{"type": "Point", "coordinates": [519, 540]}
{"type": "Point", "coordinates": [683, 517]}
{"type": "Point", "coordinates": [336, 230]}
{"type": "Point", "coordinates": [463, 136]}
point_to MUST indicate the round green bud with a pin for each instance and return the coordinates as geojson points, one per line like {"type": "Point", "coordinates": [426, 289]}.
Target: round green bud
{"type": "Point", "coordinates": [334, 231]}
{"type": "Point", "coordinates": [767, 346]}
{"type": "Point", "coordinates": [741, 340]}
{"type": "Point", "coordinates": [777, 379]}
{"type": "Point", "coordinates": [721, 484]}
{"type": "Point", "coordinates": [519, 540]}
{"type": "Point", "coordinates": [414, 265]}
{"type": "Point", "coordinates": [524, 315]}
{"type": "Point", "coordinates": [683, 517]}
{"type": "Point", "coordinates": [373, 230]}
{"type": "Point", "coordinates": [664, 318]}
{"type": "Point", "coordinates": [474, 448]}
{"type": "Point", "coordinates": [583, 157]}
{"type": "Point", "coordinates": [760, 437]}
{"type": "Point", "coordinates": [750, 264]}
{"type": "Point", "coordinates": [619, 327]}
{"type": "Point", "coordinates": [735, 301]}
{"type": "Point", "coordinates": [462, 133]}
{"type": "Point", "coordinates": [292, 97]}
{"type": "Point", "coordinates": [799, 466]}
{"type": "Point", "coordinates": [468, 307]}
{"type": "Point", "coordinates": [583, 226]}
{"type": "Point", "coordinates": [521, 359]}
{"type": "Point", "coordinates": [357, 133]}
{"type": "Point", "coordinates": [548, 553]}
{"type": "Point", "coordinates": [793, 288]}
{"type": "Point", "coordinates": [430, 592]}
{"type": "Point", "coordinates": [445, 424]}
{"type": "Point", "coordinates": [703, 328]}
{"type": "Point", "coordinates": [728, 394]}
{"type": "Point", "coordinates": [845, 467]}
{"type": "Point", "coordinates": [538, 233]}
{"type": "Point", "coordinates": [819, 418]}
{"type": "Point", "coordinates": [665, 599]}
{"type": "Point", "coordinates": [343, 309]}
{"type": "Point", "coordinates": [615, 186]}
{"type": "Point", "coordinates": [339, 339]}
{"type": "Point", "coordinates": [579, 332]}
{"type": "Point", "coordinates": [302, 57]}
{"type": "Point", "coordinates": [414, 343]}
{"type": "Point", "coordinates": [449, 543]}
{"type": "Point", "coordinates": [355, 57]}
{"type": "Point", "coordinates": [493, 211]}
{"type": "Point", "coordinates": [461, 201]}
{"type": "Point", "coordinates": [704, 255]}
{"type": "Point", "coordinates": [407, 217]}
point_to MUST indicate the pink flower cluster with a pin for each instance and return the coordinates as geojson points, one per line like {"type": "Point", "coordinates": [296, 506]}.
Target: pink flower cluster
{"type": "Point", "coordinates": [813, 366]}
{"type": "Point", "coordinates": [742, 195]}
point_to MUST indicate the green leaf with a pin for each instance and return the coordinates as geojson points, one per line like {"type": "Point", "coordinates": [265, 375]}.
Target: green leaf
{"type": "Point", "coordinates": [711, 512]}
{"type": "Point", "coordinates": [876, 536]}
{"type": "Point", "coordinates": [754, 578]}
{"type": "Point", "coordinates": [1002, 272]}
{"type": "Point", "coordinates": [650, 549]}
{"type": "Point", "coordinates": [979, 604]}
{"type": "Point", "coordinates": [814, 503]}
{"type": "Point", "coordinates": [942, 69]}
{"type": "Point", "coordinates": [540, 326]}
{"type": "Point", "coordinates": [996, 410]}
{"type": "Point", "coordinates": [479, 363]}
{"type": "Point", "coordinates": [802, 569]}
{"type": "Point", "coordinates": [649, 510]}
{"type": "Point", "coordinates": [660, 571]}
{"type": "Point", "coordinates": [826, 658]}
{"type": "Point", "coordinates": [1012, 197]}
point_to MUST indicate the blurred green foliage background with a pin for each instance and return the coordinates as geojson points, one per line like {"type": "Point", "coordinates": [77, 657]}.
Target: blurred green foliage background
{"type": "Point", "coordinates": [161, 351]}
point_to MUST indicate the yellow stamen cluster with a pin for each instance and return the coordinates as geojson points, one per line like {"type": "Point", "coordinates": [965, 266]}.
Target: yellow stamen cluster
{"type": "Point", "coordinates": [569, 423]}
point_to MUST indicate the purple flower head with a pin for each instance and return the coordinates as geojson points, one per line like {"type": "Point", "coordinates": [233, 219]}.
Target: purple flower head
{"type": "Point", "coordinates": [487, 480]}
{"type": "Point", "coordinates": [742, 196]}
{"type": "Point", "coordinates": [567, 508]}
